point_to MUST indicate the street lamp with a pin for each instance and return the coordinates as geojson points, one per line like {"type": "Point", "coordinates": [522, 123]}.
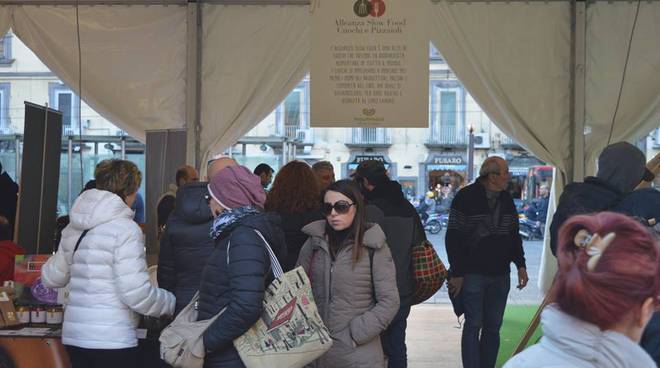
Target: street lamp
{"type": "Point", "coordinates": [470, 155]}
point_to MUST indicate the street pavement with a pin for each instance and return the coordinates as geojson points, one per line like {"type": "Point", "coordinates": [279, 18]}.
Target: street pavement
{"type": "Point", "coordinates": [528, 295]}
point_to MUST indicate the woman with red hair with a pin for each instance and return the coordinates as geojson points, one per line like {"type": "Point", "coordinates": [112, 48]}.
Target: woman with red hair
{"type": "Point", "coordinates": [606, 291]}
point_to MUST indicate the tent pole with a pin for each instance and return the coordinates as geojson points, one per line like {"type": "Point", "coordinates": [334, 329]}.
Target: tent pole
{"type": "Point", "coordinates": [193, 59]}
{"type": "Point", "coordinates": [577, 90]}
{"type": "Point", "coordinates": [576, 119]}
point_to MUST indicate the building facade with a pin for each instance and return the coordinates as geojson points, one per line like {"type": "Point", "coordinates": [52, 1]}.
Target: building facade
{"type": "Point", "coordinates": [420, 158]}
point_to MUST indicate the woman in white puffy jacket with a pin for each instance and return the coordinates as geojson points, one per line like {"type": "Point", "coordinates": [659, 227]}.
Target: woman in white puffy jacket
{"type": "Point", "coordinates": [107, 273]}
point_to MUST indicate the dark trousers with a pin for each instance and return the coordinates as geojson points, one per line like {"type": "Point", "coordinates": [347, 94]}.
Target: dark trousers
{"type": "Point", "coordinates": [102, 358]}
{"type": "Point", "coordinates": [484, 299]}
{"type": "Point", "coordinates": [393, 340]}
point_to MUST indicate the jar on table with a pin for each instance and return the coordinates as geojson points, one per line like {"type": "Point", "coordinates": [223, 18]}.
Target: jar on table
{"type": "Point", "coordinates": [23, 313]}
{"type": "Point", "coordinates": [38, 314]}
{"type": "Point", "coordinates": [54, 315]}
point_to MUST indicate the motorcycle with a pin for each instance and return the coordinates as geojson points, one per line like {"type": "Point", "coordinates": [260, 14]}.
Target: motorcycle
{"type": "Point", "coordinates": [529, 229]}
{"type": "Point", "coordinates": [433, 223]}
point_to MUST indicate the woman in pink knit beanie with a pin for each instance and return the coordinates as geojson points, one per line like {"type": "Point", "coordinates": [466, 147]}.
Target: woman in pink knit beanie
{"type": "Point", "coordinates": [239, 269]}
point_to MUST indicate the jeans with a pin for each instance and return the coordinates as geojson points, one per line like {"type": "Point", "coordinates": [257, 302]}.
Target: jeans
{"type": "Point", "coordinates": [393, 340]}
{"type": "Point", "coordinates": [484, 299]}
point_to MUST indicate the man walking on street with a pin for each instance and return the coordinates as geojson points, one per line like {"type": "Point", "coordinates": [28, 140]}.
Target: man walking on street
{"type": "Point", "coordinates": [403, 229]}
{"type": "Point", "coordinates": [482, 240]}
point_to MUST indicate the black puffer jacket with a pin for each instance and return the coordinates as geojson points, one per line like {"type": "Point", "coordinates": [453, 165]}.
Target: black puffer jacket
{"type": "Point", "coordinates": [238, 283]}
{"type": "Point", "coordinates": [403, 230]}
{"type": "Point", "coordinates": [186, 244]}
{"type": "Point", "coordinates": [594, 195]}
{"type": "Point", "coordinates": [292, 224]}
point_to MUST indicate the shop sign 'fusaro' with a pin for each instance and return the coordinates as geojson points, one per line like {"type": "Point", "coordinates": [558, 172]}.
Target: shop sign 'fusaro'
{"type": "Point", "coordinates": [448, 160]}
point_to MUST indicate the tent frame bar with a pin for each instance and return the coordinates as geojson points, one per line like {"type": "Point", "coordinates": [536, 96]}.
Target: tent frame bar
{"type": "Point", "coordinates": [258, 2]}
{"type": "Point", "coordinates": [247, 2]}
{"type": "Point", "coordinates": [153, 2]}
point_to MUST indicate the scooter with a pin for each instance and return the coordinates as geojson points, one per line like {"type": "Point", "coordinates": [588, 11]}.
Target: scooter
{"type": "Point", "coordinates": [530, 230]}
{"type": "Point", "coordinates": [433, 223]}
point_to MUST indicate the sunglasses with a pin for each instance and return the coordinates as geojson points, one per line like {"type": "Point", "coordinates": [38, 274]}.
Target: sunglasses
{"type": "Point", "coordinates": [341, 207]}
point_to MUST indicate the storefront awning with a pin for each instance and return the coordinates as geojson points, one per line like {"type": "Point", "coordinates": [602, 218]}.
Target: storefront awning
{"type": "Point", "coordinates": [446, 167]}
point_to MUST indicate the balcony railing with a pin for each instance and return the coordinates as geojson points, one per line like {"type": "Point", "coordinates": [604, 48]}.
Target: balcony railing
{"type": "Point", "coordinates": [291, 131]}
{"type": "Point", "coordinates": [370, 137]}
{"type": "Point", "coordinates": [294, 132]}
{"type": "Point", "coordinates": [446, 136]}
{"type": "Point", "coordinates": [656, 144]}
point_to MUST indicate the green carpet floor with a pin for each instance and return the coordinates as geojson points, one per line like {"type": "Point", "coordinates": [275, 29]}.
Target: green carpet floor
{"type": "Point", "coordinates": [516, 320]}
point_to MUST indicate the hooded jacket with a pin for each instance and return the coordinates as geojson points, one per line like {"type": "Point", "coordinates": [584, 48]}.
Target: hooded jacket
{"type": "Point", "coordinates": [107, 275]}
{"type": "Point", "coordinates": [237, 281]}
{"type": "Point", "coordinates": [594, 195]}
{"type": "Point", "coordinates": [403, 230]}
{"type": "Point", "coordinates": [570, 342]}
{"type": "Point", "coordinates": [356, 303]}
{"type": "Point", "coordinates": [186, 244]}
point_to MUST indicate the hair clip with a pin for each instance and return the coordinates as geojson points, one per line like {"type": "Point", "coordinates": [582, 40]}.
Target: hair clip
{"type": "Point", "coordinates": [594, 246]}
{"type": "Point", "coordinates": [582, 239]}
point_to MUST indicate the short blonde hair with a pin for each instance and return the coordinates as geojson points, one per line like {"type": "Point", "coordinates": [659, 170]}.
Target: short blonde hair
{"type": "Point", "coordinates": [120, 177]}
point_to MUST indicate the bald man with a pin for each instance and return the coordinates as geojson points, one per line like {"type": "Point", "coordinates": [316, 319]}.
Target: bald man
{"type": "Point", "coordinates": [185, 174]}
{"type": "Point", "coordinates": [482, 240]}
{"type": "Point", "coordinates": [218, 164]}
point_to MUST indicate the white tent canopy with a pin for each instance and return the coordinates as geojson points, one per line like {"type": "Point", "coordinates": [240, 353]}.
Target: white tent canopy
{"type": "Point", "coordinates": [542, 70]}
{"type": "Point", "coordinates": [513, 57]}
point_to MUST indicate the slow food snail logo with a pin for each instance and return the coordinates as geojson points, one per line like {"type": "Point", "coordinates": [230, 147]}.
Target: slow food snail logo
{"type": "Point", "coordinates": [374, 8]}
{"type": "Point", "coordinates": [369, 112]}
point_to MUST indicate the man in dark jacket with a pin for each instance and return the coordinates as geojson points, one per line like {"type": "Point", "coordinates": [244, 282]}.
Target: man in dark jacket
{"type": "Point", "coordinates": [8, 198]}
{"type": "Point", "coordinates": [165, 205]}
{"type": "Point", "coordinates": [538, 209]}
{"type": "Point", "coordinates": [403, 230]}
{"type": "Point", "coordinates": [621, 167]}
{"type": "Point", "coordinates": [482, 240]}
{"type": "Point", "coordinates": [186, 244]}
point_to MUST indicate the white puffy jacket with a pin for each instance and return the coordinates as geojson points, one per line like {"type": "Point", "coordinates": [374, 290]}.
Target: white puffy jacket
{"type": "Point", "coordinates": [107, 275]}
{"type": "Point", "coordinates": [570, 342]}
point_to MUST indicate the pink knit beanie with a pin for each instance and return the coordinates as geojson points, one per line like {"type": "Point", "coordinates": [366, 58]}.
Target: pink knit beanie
{"type": "Point", "coordinates": [236, 186]}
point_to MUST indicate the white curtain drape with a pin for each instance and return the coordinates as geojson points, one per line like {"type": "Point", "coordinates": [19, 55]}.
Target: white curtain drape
{"type": "Point", "coordinates": [252, 58]}
{"type": "Point", "coordinates": [514, 59]}
{"type": "Point", "coordinates": [609, 26]}
{"type": "Point", "coordinates": [133, 59]}
{"type": "Point", "coordinates": [5, 18]}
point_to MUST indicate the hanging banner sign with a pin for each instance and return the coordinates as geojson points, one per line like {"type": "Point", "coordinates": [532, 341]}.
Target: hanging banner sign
{"type": "Point", "coordinates": [369, 64]}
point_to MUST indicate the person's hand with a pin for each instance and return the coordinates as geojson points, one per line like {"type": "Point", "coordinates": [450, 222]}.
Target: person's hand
{"type": "Point", "coordinates": [455, 285]}
{"type": "Point", "coordinates": [522, 278]}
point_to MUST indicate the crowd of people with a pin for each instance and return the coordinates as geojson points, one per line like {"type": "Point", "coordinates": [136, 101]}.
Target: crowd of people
{"type": "Point", "coordinates": [354, 239]}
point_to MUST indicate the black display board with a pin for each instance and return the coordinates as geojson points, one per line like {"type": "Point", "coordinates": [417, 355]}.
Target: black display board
{"type": "Point", "coordinates": [40, 171]}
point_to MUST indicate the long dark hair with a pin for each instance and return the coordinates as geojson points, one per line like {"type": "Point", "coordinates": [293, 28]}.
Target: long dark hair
{"type": "Point", "coordinates": [295, 190]}
{"type": "Point", "coordinates": [351, 190]}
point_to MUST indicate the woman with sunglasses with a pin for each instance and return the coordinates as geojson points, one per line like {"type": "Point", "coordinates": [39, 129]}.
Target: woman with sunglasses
{"type": "Point", "coordinates": [353, 278]}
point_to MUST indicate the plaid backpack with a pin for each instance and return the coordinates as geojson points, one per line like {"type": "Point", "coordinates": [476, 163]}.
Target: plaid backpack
{"type": "Point", "coordinates": [428, 271]}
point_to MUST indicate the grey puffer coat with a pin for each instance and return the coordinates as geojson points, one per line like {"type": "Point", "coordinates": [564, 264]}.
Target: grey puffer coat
{"type": "Point", "coordinates": [355, 311]}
